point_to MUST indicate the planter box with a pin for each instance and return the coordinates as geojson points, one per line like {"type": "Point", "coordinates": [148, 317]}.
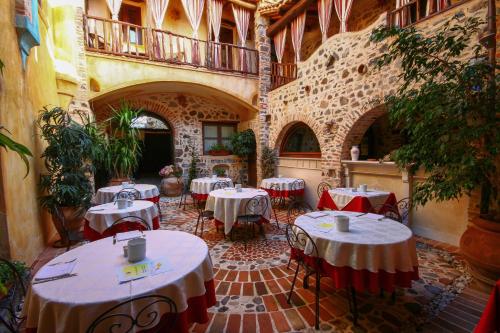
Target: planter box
{"type": "Point", "coordinates": [219, 152]}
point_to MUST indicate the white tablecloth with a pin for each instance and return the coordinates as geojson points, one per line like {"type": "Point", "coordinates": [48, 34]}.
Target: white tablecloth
{"type": "Point", "coordinates": [285, 184]}
{"type": "Point", "coordinates": [71, 304]}
{"type": "Point", "coordinates": [106, 194]}
{"type": "Point", "coordinates": [342, 196]}
{"type": "Point", "coordinates": [205, 185]}
{"type": "Point", "coordinates": [103, 216]}
{"type": "Point", "coordinates": [370, 244]}
{"type": "Point", "coordinates": [227, 204]}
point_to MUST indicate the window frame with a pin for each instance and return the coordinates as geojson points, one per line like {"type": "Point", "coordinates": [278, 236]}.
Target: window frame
{"type": "Point", "coordinates": [287, 136]}
{"type": "Point", "coordinates": [219, 125]}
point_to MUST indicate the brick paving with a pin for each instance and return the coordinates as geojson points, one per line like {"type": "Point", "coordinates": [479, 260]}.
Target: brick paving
{"type": "Point", "coordinates": [251, 293]}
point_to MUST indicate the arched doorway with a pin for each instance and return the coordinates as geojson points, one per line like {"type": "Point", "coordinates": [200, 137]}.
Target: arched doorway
{"type": "Point", "coordinates": [157, 145]}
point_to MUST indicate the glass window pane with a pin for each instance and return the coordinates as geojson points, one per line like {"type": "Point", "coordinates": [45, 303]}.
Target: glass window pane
{"type": "Point", "coordinates": [227, 131]}
{"type": "Point", "coordinates": [301, 140]}
{"type": "Point", "coordinates": [227, 143]}
{"type": "Point", "coordinates": [208, 143]}
{"type": "Point", "coordinates": [210, 131]}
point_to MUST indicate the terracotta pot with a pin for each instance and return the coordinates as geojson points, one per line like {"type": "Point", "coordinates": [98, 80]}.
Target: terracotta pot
{"type": "Point", "coordinates": [172, 186]}
{"type": "Point", "coordinates": [74, 221]}
{"type": "Point", "coordinates": [219, 152]}
{"type": "Point", "coordinates": [479, 245]}
{"type": "Point", "coordinates": [118, 181]}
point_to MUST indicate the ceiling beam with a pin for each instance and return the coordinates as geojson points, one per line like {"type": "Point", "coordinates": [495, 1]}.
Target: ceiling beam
{"type": "Point", "coordinates": [244, 4]}
{"type": "Point", "coordinates": [292, 13]}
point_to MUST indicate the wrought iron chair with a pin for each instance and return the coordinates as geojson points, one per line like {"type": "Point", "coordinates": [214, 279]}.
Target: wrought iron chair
{"type": "Point", "coordinates": [124, 225]}
{"type": "Point", "coordinates": [276, 200]}
{"type": "Point", "coordinates": [255, 208]}
{"type": "Point", "coordinates": [129, 193]}
{"type": "Point", "coordinates": [296, 208]}
{"type": "Point", "coordinates": [143, 319]}
{"type": "Point", "coordinates": [11, 304]}
{"type": "Point", "coordinates": [221, 184]}
{"type": "Point", "coordinates": [297, 185]}
{"type": "Point", "coordinates": [71, 236]}
{"type": "Point", "coordinates": [186, 192]}
{"type": "Point", "coordinates": [322, 187]}
{"type": "Point", "coordinates": [404, 207]}
{"type": "Point", "coordinates": [203, 215]}
{"type": "Point", "coordinates": [305, 252]}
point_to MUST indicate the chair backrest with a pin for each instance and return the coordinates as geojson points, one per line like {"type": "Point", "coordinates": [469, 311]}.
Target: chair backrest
{"type": "Point", "coordinates": [128, 193]}
{"type": "Point", "coordinates": [257, 205]}
{"type": "Point", "coordinates": [297, 185]}
{"type": "Point", "coordinates": [220, 185]}
{"type": "Point", "coordinates": [130, 223]}
{"type": "Point", "coordinates": [275, 196]}
{"type": "Point", "coordinates": [322, 187]}
{"type": "Point", "coordinates": [404, 207]}
{"type": "Point", "coordinates": [296, 208]}
{"type": "Point", "coordinates": [300, 241]}
{"type": "Point", "coordinates": [392, 213]}
{"type": "Point", "coordinates": [146, 316]}
{"type": "Point", "coordinates": [11, 304]}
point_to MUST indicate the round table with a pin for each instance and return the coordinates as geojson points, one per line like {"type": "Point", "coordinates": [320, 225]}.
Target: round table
{"type": "Point", "coordinates": [99, 219]}
{"type": "Point", "coordinates": [285, 187]}
{"type": "Point", "coordinates": [227, 205]}
{"type": "Point", "coordinates": [347, 199]}
{"type": "Point", "coordinates": [148, 192]}
{"type": "Point", "coordinates": [72, 304]}
{"type": "Point", "coordinates": [201, 187]}
{"type": "Point", "coordinates": [377, 253]}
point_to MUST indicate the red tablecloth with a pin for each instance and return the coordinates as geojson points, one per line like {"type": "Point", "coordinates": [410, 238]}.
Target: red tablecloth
{"type": "Point", "coordinates": [490, 320]}
{"type": "Point", "coordinates": [195, 313]}
{"type": "Point", "coordinates": [92, 235]}
{"type": "Point", "coordinates": [284, 193]}
{"type": "Point", "coordinates": [220, 223]}
{"type": "Point", "coordinates": [357, 204]}
{"type": "Point", "coordinates": [154, 199]}
{"type": "Point", "coordinates": [362, 280]}
{"type": "Point", "coordinates": [199, 196]}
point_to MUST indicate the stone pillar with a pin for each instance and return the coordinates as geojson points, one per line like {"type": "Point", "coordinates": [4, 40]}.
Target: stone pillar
{"type": "Point", "coordinates": [263, 45]}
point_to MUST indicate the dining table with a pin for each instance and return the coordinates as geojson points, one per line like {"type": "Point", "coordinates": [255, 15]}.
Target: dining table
{"type": "Point", "coordinates": [283, 187]}
{"type": "Point", "coordinates": [201, 187]}
{"type": "Point", "coordinates": [73, 302]}
{"type": "Point", "coordinates": [227, 204]}
{"type": "Point", "coordinates": [147, 191]}
{"type": "Point", "coordinates": [355, 200]}
{"type": "Point", "coordinates": [99, 219]}
{"type": "Point", "coordinates": [376, 254]}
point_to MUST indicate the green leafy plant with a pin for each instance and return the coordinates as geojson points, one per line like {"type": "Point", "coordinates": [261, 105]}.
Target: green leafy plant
{"type": "Point", "coordinates": [220, 171]}
{"type": "Point", "coordinates": [268, 162]}
{"type": "Point", "coordinates": [6, 277]}
{"type": "Point", "coordinates": [193, 172]}
{"type": "Point", "coordinates": [124, 143]}
{"type": "Point", "coordinates": [243, 143]}
{"type": "Point", "coordinates": [446, 107]}
{"type": "Point", "coordinates": [219, 147]}
{"type": "Point", "coordinates": [69, 158]}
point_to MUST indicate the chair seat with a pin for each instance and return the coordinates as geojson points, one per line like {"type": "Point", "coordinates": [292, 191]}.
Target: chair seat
{"type": "Point", "coordinates": [250, 218]}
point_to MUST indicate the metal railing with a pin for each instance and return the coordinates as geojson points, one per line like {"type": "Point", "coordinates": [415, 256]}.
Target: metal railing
{"type": "Point", "coordinates": [125, 39]}
{"type": "Point", "coordinates": [416, 11]}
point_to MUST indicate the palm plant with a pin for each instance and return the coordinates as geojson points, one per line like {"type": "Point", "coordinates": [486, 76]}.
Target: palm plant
{"type": "Point", "coordinates": [124, 143]}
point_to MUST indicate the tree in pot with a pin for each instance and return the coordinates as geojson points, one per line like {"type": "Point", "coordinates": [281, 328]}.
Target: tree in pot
{"type": "Point", "coordinates": [69, 158]}
{"type": "Point", "coordinates": [446, 106]}
{"type": "Point", "coordinates": [124, 142]}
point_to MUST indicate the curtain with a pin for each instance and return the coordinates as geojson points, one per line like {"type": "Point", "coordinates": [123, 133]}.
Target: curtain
{"type": "Point", "coordinates": [242, 19]}
{"type": "Point", "coordinates": [194, 12]}
{"type": "Point", "coordinates": [297, 30]}
{"type": "Point", "coordinates": [435, 6]}
{"type": "Point", "coordinates": [279, 44]}
{"type": "Point", "coordinates": [114, 8]}
{"type": "Point", "coordinates": [157, 10]}
{"type": "Point", "coordinates": [324, 15]}
{"type": "Point", "coordinates": [402, 16]}
{"type": "Point", "coordinates": [343, 9]}
{"type": "Point", "coordinates": [215, 15]}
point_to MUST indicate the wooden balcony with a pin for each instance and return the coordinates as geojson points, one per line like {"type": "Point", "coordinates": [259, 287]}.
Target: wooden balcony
{"type": "Point", "coordinates": [129, 40]}
{"type": "Point", "coordinates": [282, 74]}
{"type": "Point", "coordinates": [416, 11]}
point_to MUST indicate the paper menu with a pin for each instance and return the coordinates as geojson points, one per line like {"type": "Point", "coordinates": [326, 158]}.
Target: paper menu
{"type": "Point", "coordinates": [324, 226]}
{"type": "Point", "coordinates": [372, 216]}
{"type": "Point", "coordinates": [121, 236]}
{"type": "Point", "coordinates": [315, 215]}
{"type": "Point", "coordinates": [55, 270]}
{"type": "Point", "coordinates": [142, 269]}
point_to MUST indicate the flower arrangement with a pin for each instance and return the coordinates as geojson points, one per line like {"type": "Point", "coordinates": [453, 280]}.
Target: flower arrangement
{"type": "Point", "coordinates": [171, 170]}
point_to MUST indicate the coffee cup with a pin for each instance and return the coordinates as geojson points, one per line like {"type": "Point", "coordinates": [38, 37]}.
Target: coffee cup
{"type": "Point", "coordinates": [342, 223]}
{"type": "Point", "coordinates": [136, 249]}
{"type": "Point", "coordinates": [238, 187]}
{"type": "Point", "coordinates": [122, 203]}
{"type": "Point", "coordinates": [363, 188]}
{"type": "Point", "coordinates": [125, 184]}
{"type": "Point", "coordinates": [280, 176]}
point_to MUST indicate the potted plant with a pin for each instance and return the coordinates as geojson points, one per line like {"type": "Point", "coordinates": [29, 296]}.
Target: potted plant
{"type": "Point", "coordinates": [446, 106]}
{"type": "Point", "coordinates": [219, 150]}
{"type": "Point", "coordinates": [7, 277]}
{"type": "Point", "coordinates": [66, 186]}
{"type": "Point", "coordinates": [268, 162]}
{"type": "Point", "coordinates": [124, 143]}
{"type": "Point", "coordinates": [220, 171]}
{"type": "Point", "coordinates": [243, 143]}
{"type": "Point", "coordinates": [172, 182]}
{"type": "Point", "coordinates": [193, 166]}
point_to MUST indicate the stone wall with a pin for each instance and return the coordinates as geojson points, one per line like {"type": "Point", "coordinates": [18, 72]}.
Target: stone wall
{"type": "Point", "coordinates": [338, 93]}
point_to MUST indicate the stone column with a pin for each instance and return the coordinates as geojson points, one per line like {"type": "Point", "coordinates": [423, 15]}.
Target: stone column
{"type": "Point", "coordinates": [263, 45]}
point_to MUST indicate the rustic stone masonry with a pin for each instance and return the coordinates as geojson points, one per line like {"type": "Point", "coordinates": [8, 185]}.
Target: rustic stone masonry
{"type": "Point", "coordinates": [339, 94]}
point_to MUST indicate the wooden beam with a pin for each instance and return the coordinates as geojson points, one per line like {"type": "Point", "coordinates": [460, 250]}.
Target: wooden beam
{"type": "Point", "coordinates": [244, 4]}
{"type": "Point", "coordinates": [292, 13]}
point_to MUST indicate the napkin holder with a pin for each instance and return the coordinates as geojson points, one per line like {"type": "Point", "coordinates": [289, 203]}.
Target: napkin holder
{"type": "Point", "coordinates": [123, 203]}
{"type": "Point", "coordinates": [238, 188]}
{"type": "Point", "coordinates": [136, 249]}
{"type": "Point", "coordinates": [363, 188]}
{"type": "Point", "coordinates": [342, 223]}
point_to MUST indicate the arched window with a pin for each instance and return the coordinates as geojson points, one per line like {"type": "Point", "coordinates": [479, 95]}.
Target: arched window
{"type": "Point", "coordinates": [300, 141]}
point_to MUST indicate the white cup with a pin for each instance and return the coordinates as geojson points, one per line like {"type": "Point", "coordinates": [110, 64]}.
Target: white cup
{"type": "Point", "coordinates": [280, 176]}
{"type": "Point", "coordinates": [122, 203]}
{"type": "Point", "coordinates": [238, 187]}
{"type": "Point", "coordinates": [136, 249]}
{"type": "Point", "coordinates": [342, 223]}
{"type": "Point", "coordinates": [363, 187]}
{"type": "Point", "coordinates": [214, 176]}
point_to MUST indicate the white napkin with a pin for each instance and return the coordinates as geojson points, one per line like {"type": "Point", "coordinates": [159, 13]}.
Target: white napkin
{"type": "Point", "coordinates": [315, 215]}
{"type": "Point", "coordinates": [55, 270]}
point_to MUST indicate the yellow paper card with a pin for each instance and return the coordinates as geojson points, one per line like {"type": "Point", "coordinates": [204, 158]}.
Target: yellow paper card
{"type": "Point", "coordinates": [325, 225]}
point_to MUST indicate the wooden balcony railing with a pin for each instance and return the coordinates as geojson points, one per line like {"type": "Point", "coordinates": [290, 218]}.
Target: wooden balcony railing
{"type": "Point", "coordinates": [416, 11]}
{"type": "Point", "coordinates": [282, 74]}
{"type": "Point", "coordinates": [125, 39]}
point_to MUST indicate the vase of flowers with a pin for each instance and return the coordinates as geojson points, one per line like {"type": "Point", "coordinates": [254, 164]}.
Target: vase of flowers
{"type": "Point", "coordinates": [172, 182]}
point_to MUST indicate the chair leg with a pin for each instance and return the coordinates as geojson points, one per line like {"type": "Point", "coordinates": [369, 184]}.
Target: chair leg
{"type": "Point", "coordinates": [318, 289]}
{"type": "Point", "coordinates": [354, 306]}
{"type": "Point", "coordinates": [276, 218]}
{"type": "Point", "coordinates": [289, 261]}
{"type": "Point", "coordinates": [197, 223]}
{"type": "Point", "coordinates": [202, 226]}
{"type": "Point", "coordinates": [180, 201]}
{"type": "Point", "coordinates": [293, 283]}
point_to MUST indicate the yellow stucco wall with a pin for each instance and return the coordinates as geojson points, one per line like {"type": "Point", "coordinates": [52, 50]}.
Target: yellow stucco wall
{"type": "Point", "coordinates": [22, 94]}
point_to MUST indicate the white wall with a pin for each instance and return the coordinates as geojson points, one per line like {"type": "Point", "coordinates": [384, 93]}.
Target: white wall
{"type": "Point", "coordinates": [305, 168]}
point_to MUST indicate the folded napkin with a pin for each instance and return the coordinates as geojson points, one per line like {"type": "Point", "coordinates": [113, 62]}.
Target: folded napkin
{"type": "Point", "coordinates": [55, 270]}
{"type": "Point", "coordinates": [315, 215]}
